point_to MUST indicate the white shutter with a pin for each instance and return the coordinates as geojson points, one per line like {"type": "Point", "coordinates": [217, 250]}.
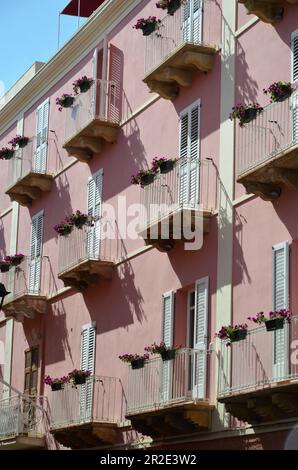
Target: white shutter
{"type": "Point", "coordinates": [200, 338]}
{"type": "Point", "coordinates": [94, 208]}
{"type": "Point", "coordinates": [42, 129]}
{"type": "Point", "coordinates": [36, 253]}
{"type": "Point", "coordinates": [167, 336]}
{"type": "Point", "coordinates": [189, 156]}
{"type": "Point", "coordinates": [280, 300]}
{"type": "Point", "coordinates": [294, 97]}
{"type": "Point", "coordinates": [95, 85]}
{"type": "Point", "coordinates": [88, 340]}
{"type": "Point", "coordinates": [192, 21]}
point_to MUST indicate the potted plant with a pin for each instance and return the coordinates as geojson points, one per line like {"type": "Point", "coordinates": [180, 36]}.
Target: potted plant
{"type": "Point", "coordinates": [82, 85]}
{"type": "Point", "coordinates": [55, 384]}
{"type": "Point", "coordinates": [232, 333]}
{"type": "Point", "coordinates": [6, 153]}
{"type": "Point", "coordinates": [167, 353]}
{"type": "Point", "coordinates": [78, 219]}
{"type": "Point", "coordinates": [162, 164]}
{"type": "Point", "coordinates": [279, 91]}
{"type": "Point", "coordinates": [170, 5]}
{"type": "Point", "coordinates": [63, 229]}
{"type": "Point", "coordinates": [16, 259]}
{"type": "Point", "coordinates": [20, 141]}
{"type": "Point", "coordinates": [79, 377]}
{"type": "Point", "coordinates": [147, 25]}
{"type": "Point", "coordinates": [136, 361]}
{"type": "Point", "coordinates": [275, 320]}
{"type": "Point", "coordinates": [5, 264]}
{"type": "Point", "coordinates": [144, 177]}
{"type": "Point", "coordinates": [66, 101]}
{"type": "Point", "coordinates": [245, 113]}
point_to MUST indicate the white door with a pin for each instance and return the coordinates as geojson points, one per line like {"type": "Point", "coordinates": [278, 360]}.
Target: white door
{"type": "Point", "coordinates": [192, 21]}
{"type": "Point", "coordinates": [35, 253]}
{"type": "Point", "coordinates": [198, 331]}
{"type": "Point", "coordinates": [88, 340]}
{"type": "Point", "coordinates": [42, 129]}
{"type": "Point", "coordinates": [280, 300]}
{"type": "Point", "coordinates": [189, 156]}
{"type": "Point", "coordinates": [167, 337]}
{"type": "Point", "coordinates": [94, 208]}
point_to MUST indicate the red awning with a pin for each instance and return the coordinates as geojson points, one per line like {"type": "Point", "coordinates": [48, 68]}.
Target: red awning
{"type": "Point", "coordinates": [87, 7]}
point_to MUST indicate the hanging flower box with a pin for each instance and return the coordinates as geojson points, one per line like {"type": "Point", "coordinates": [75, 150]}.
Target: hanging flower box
{"type": "Point", "coordinates": [66, 101]}
{"type": "Point", "coordinates": [279, 91]}
{"type": "Point", "coordinates": [246, 113]}
{"type": "Point", "coordinates": [55, 384]}
{"type": "Point", "coordinates": [78, 219]}
{"type": "Point", "coordinates": [5, 265]}
{"type": "Point", "coordinates": [167, 353]}
{"type": "Point", "coordinates": [17, 259]}
{"type": "Point", "coordinates": [275, 320]}
{"type": "Point", "coordinates": [136, 361]}
{"type": "Point", "coordinates": [6, 153]}
{"type": "Point", "coordinates": [20, 141]}
{"type": "Point", "coordinates": [63, 229]}
{"type": "Point", "coordinates": [171, 5]}
{"type": "Point", "coordinates": [78, 377]}
{"type": "Point", "coordinates": [162, 164]}
{"type": "Point", "coordinates": [82, 85]}
{"type": "Point", "coordinates": [232, 334]}
{"type": "Point", "coordinates": [148, 25]}
{"type": "Point", "coordinates": [144, 178]}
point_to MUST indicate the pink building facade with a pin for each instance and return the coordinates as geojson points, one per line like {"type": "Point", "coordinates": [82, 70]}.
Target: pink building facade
{"type": "Point", "coordinates": [115, 286]}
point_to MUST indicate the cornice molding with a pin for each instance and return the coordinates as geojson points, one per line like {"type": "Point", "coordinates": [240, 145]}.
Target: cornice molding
{"type": "Point", "coordinates": [91, 33]}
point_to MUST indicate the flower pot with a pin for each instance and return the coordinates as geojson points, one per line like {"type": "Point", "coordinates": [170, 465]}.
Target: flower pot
{"type": "Point", "coordinates": [79, 379]}
{"type": "Point", "coordinates": [57, 386]}
{"type": "Point", "coordinates": [8, 154]}
{"type": "Point", "coordinates": [166, 167]}
{"type": "Point", "coordinates": [250, 115]}
{"type": "Point", "coordinates": [148, 29]}
{"type": "Point", "coordinates": [22, 143]}
{"type": "Point", "coordinates": [4, 269]}
{"type": "Point", "coordinates": [16, 261]}
{"type": "Point", "coordinates": [168, 355]}
{"type": "Point", "coordinates": [147, 179]}
{"type": "Point", "coordinates": [68, 102]}
{"type": "Point", "coordinates": [286, 94]}
{"type": "Point", "coordinates": [238, 335]}
{"type": "Point", "coordinates": [174, 6]}
{"type": "Point", "coordinates": [84, 87]}
{"type": "Point", "coordinates": [138, 363]}
{"type": "Point", "coordinates": [275, 324]}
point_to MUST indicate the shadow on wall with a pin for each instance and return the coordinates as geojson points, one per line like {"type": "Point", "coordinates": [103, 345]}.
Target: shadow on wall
{"type": "Point", "coordinates": [247, 88]}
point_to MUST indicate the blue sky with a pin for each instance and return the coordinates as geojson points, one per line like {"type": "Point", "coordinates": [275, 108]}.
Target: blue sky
{"type": "Point", "coordinates": [28, 33]}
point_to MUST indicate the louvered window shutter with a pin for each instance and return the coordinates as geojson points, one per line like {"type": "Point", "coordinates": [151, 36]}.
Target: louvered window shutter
{"type": "Point", "coordinates": [294, 97]}
{"type": "Point", "coordinates": [200, 338]}
{"type": "Point", "coordinates": [192, 21]}
{"type": "Point", "coordinates": [167, 337]}
{"type": "Point", "coordinates": [280, 255]}
{"type": "Point", "coordinates": [42, 129]}
{"type": "Point", "coordinates": [88, 340]}
{"type": "Point", "coordinates": [94, 203]}
{"type": "Point", "coordinates": [189, 156]}
{"type": "Point", "coordinates": [36, 253]}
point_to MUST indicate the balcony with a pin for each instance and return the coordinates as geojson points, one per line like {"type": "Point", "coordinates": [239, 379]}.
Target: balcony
{"type": "Point", "coordinates": [268, 11]}
{"type": "Point", "coordinates": [85, 256]}
{"type": "Point", "coordinates": [28, 174]}
{"type": "Point", "coordinates": [92, 120]}
{"type": "Point", "coordinates": [22, 423]}
{"type": "Point", "coordinates": [88, 415]}
{"type": "Point", "coordinates": [267, 150]}
{"type": "Point", "coordinates": [28, 287]}
{"type": "Point", "coordinates": [262, 384]}
{"type": "Point", "coordinates": [179, 204]}
{"type": "Point", "coordinates": [183, 44]}
{"type": "Point", "coordinates": [163, 396]}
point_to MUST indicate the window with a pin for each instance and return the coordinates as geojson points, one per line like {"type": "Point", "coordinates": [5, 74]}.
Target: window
{"type": "Point", "coordinates": [31, 371]}
{"type": "Point", "coordinates": [94, 206]}
{"type": "Point", "coordinates": [42, 126]}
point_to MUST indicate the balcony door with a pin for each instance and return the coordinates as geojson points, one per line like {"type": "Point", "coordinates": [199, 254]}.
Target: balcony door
{"type": "Point", "coordinates": [94, 203]}
{"type": "Point", "coordinates": [280, 338]}
{"type": "Point", "coordinates": [42, 129]}
{"type": "Point", "coordinates": [88, 340]}
{"type": "Point", "coordinates": [197, 337]}
{"type": "Point", "coordinates": [189, 162]}
{"type": "Point", "coordinates": [192, 21]}
{"type": "Point", "coordinates": [166, 371]}
{"type": "Point", "coordinates": [35, 262]}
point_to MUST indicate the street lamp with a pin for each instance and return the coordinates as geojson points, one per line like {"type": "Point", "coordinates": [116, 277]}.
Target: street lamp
{"type": "Point", "coordinates": [3, 294]}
